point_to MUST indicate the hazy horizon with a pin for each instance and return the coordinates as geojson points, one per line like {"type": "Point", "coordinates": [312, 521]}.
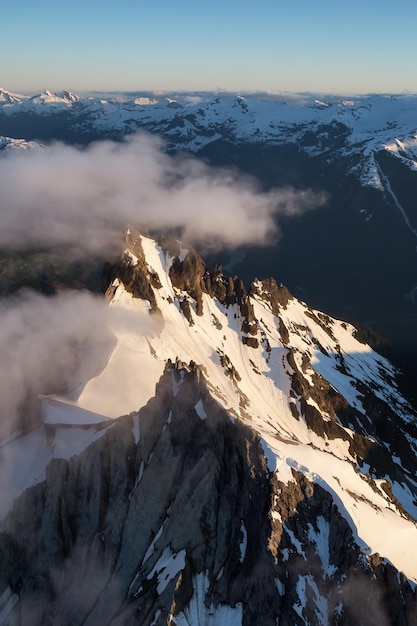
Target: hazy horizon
{"type": "Point", "coordinates": [283, 96]}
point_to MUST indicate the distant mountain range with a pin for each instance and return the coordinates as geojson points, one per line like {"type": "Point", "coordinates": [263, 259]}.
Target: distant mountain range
{"type": "Point", "coordinates": [337, 128]}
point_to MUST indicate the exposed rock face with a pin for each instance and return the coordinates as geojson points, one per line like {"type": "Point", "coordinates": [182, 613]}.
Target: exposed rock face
{"type": "Point", "coordinates": [246, 492]}
{"type": "Point", "coordinates": [121, 533]}
{"type": "Point", "coordinates": [105, 529]}
{"type": "Point", "coordinates": [276, 295]}
{"type": "Point", "coordinates": [339, 575]}
{"type": "Point", "coordinates": [218, 287]}
{"type": "Point", "coordinates": [134, 272]}
{"type": "Point", "coordinates": [187, 276]}
{"type": "Point", "coordinates": [326, 412]}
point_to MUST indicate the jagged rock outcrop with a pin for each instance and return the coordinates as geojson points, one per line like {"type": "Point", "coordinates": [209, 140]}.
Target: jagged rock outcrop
{"type": "Point", "coordinates": [124, 532]}
{"type": "Point", "coordinates": [133, 271]}
{"type": "Point", "coordinates": [277, 295]}
{"type": "Point", "coordinates": [187, 274]}
{"type": "Point", "coordinates": [220, 287]}
{"type": "Point", "coordinates": [259, 485]}
{"type": "Point", "coordinates": [313, 399]}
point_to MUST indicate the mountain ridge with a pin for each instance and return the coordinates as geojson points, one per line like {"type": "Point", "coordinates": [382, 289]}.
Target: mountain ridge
{"type": "Point", "coordinates": [270, 476]}
{"type": "Point", "coordinates": [331, 125]}
{"type": "Point", "coordinates": [230, 564]}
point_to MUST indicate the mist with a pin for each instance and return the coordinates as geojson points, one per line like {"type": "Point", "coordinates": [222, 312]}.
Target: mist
{"type": "Point", "coordinates": [54, 345]}
{"type": "Point", "coordinates": [83, 198]}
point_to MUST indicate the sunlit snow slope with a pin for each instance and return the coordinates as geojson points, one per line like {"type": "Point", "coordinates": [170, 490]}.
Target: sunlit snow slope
{"type": "Point", "coordinates": [237, 458]}
{"type": "Point", "coordinates": [322, 402]}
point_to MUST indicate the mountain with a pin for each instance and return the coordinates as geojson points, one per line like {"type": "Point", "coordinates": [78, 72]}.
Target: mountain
{"type": "Point", "coordinates": [337, 127]}
{"type": "Point", "coordinates": [355, 257]}
{"type": "Point", "coordinates": [8, 143]}
{"type": "Point", "coordinates": [263, 469]}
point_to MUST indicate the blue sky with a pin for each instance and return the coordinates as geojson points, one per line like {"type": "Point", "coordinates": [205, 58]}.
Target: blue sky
{"type": "Point", "coordinates": [299, 45]}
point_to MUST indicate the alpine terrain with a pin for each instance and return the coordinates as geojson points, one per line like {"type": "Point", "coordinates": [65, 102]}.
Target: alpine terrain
{"type": "Point", "coordinates": [236, 458]}
{"type": "Point", "coordinates": [355, 256]}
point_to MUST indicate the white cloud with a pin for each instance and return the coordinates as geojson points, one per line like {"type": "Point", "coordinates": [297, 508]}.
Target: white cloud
{"type": "Point", "coordinates": [44, 343]}
{"type": "Point", "coordinates": [84, 198]}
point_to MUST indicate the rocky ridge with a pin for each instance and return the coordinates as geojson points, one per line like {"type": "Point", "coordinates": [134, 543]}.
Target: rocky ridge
{"type": "Point", "coordinates": [174, 498]}
{"type": "Point", "coordinates": [252, 488]}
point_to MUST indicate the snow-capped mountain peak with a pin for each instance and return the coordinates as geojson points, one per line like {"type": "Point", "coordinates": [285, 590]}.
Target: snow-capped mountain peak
{"type": "Point", "coordinates": [7, 97]}
{"type": "Point", "coordinates": [8, 143]}
{"type": "Point", "coordinates": [48, 97]}
{"type": "Point", "coordinates": [259, 435]}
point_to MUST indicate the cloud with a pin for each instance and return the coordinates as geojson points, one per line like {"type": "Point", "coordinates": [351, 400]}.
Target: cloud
{"type": "Point", "coordinates": [84, 198]}
{"type": "Point", "coordinates": [55, 345]}
{"type": "Point", "coordinates": [41, 341]}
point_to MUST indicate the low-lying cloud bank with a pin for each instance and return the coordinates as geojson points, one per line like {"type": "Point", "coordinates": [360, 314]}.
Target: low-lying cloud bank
{"type": "Point", "coordinates": [84, 198]}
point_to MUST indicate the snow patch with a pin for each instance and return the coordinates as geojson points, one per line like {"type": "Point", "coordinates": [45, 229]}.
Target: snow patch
{"type": "Point", "coordinates": [197, 613]}
{"type": "Point", "coordinates": [167, 567]}
{"type": "Point", "coordinates": [200, 410]}
{"type": "Point", "coordinates": [321, 538]}
{"type": "Point", "coordinates": [151, 548]}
